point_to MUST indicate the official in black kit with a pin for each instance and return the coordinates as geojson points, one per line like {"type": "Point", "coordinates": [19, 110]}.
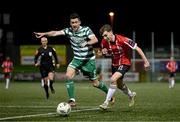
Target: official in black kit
{"type": "Point", "coordinates": [46, 58]}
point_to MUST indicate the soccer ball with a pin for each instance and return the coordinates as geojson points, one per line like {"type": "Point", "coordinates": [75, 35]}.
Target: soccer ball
{"type": "Point", "coordinates": [63, 108]}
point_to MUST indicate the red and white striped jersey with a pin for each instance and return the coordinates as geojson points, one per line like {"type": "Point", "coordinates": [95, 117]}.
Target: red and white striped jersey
{"type": "Point", "coordinates": [172, 66]}
{"type": "Point", "coordinates": [7, 66]}
{"type": "Point", "coordinates": [119, 49]}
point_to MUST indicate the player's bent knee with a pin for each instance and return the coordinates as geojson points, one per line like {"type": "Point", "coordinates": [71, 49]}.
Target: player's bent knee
{"type": "Point", "coordinates": [68, 77]}
{"type": "Point", "coordinates": [95, 83]}
{"type": "Point", "coordinates": [113, 81]}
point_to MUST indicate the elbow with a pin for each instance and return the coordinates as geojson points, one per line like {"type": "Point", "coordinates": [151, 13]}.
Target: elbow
{"type": "Point", "coordinates": [95, 40]}
{"type": "Point", "coordinates": [137, 48]}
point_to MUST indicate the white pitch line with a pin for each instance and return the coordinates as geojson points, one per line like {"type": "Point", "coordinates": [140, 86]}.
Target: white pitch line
{"type": "Point", "coordinates": [35, 115]}
{"type": "Point", "coordinates": [27, 106]}
{"type": "Point", "coordinates": [80, 110]}
{"type": "Point", "coordinates": [11, 106]}
{"type": "Point", "coordinates": [82, 107]}
{"type": "Point", "coordinates": [26, 116]}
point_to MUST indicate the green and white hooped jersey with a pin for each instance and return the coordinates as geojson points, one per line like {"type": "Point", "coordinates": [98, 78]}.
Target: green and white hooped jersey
{"type": "Point", "coordinates": [77, 38]}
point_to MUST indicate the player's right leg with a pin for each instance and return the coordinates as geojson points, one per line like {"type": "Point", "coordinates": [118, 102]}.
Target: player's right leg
{"type": "Point", "coordinates": [46, 87]}
{"type": "Point", "coordinates": [109, 96]}
{"type": "Point", "coordinates": [111, 90]}
{"type": "Point", "coordinates": [44, 76]}
{"type": "Point", "coordinates": [70, 85]}
{"type": "Point", "coordinates": [112, 101]}
{"type": "Point", "coordinates": [104, 106]}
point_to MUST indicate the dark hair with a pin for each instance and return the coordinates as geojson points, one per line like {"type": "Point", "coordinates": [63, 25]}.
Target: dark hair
{"type": "Point", "coordinates": [105, 27]}
{"type": "Point", "coordinates": [74, 16]}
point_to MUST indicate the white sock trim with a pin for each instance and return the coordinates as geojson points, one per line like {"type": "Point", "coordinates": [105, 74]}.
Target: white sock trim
{"type": "Point", "coordinates": [73, 99]}
{"type": "Point", "coordinates": [111, 91]}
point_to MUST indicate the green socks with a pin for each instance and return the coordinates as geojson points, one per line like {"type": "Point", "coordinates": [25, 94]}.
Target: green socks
{"type": "Point", "coordinates": [102, 86]}
{"type": "Point", "coordinates": [70, 88]}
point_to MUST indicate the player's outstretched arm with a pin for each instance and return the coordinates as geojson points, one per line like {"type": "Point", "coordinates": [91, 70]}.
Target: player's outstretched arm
{"type": "Point", "coordinates": [146, 62]}
{"type": "Point", "coordinates": [39, 34]}
{"type": "Point", "coordinates": [50, 33]}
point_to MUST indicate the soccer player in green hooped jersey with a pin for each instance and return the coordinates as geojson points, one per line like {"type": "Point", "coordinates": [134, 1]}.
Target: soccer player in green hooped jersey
{"type": "Point", "coordinates": [81, 38]}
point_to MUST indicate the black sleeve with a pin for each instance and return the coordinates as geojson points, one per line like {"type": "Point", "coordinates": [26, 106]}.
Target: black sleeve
{"type": "Point", "coordinates": [36, 56]}
{"type": "Point", "coordinates": [55, 56]}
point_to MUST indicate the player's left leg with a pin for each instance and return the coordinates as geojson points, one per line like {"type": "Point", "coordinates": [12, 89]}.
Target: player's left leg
{"type": "Point", "coordinates": [7, 83]}
{"type": "Point", "coordinates": [51, 80]}
{"type": "Point", "coordinates": [172, 82]}
{"type": "Point", "coordinates": [122, 69]}
{"type": "Point", "coordinates": [112, 89]}
{"type": "Point", "coordinates": [89, 69]}
{"type": "Point", "coordinates": [7, 79]}
{"type": "Point", "coordinates": [95, 76]}
{"type": "Point", "coordinates": [127, 92]}
{"type": "Point", "coordinates": [173, 79]}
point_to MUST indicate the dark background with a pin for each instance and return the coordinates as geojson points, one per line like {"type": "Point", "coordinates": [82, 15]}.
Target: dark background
{"type": "Point", "coordinates": [144, 17]}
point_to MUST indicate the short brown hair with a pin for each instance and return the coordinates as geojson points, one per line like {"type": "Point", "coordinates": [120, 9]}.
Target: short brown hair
{"type": "Point", "coordinates": [105, 27]}
{"type": "Point", "coordinates": [74, 16]}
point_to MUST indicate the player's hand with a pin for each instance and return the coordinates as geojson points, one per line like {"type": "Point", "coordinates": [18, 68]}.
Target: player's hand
{"type": "Point", "coordinates": [39, 35]}
{"type": "Point", "coordinates": [84, 44]}
{"type": "Point", "coordinates": [99, 53]}
{"type": "Point", "coordinates": [104, 51]}
{"type": "Point", "coordinates": [147, 66]}
{"type": "Point", "coordinates": [36, 65]}
{"type": "Point", "coordinates": [58, 65]}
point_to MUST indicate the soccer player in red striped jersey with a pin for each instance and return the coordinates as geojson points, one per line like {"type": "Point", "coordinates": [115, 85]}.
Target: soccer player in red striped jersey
{"type": "Point", "coordinates": [7, 66]}
{"type": "Point", "coordinates": [118, 47]}
{"type": "Point", "coordinates": [172, 66]}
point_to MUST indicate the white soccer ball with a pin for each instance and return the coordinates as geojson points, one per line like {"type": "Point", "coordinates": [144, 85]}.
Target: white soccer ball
{"type": "Point", "coordinates": [63, 108]}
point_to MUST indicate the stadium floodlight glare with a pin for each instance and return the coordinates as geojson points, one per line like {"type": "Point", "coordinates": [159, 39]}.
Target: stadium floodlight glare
{"type": "Point", "coordinates": [111, 14]}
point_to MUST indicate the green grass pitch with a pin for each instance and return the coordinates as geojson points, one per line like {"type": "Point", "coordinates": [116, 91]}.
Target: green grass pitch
{"type": "Point", "coordinates": [25, 101]}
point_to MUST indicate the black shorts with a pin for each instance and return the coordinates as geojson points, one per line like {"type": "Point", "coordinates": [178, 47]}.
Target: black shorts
{"type": "Point", "coordinates": [46, 69]}
{"type": "Point", "coordinates": [122, 69]}
{"type": "Point", "coordinates": [172, 74]}
{"type": "Point", "coordinates": [7, 75]}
